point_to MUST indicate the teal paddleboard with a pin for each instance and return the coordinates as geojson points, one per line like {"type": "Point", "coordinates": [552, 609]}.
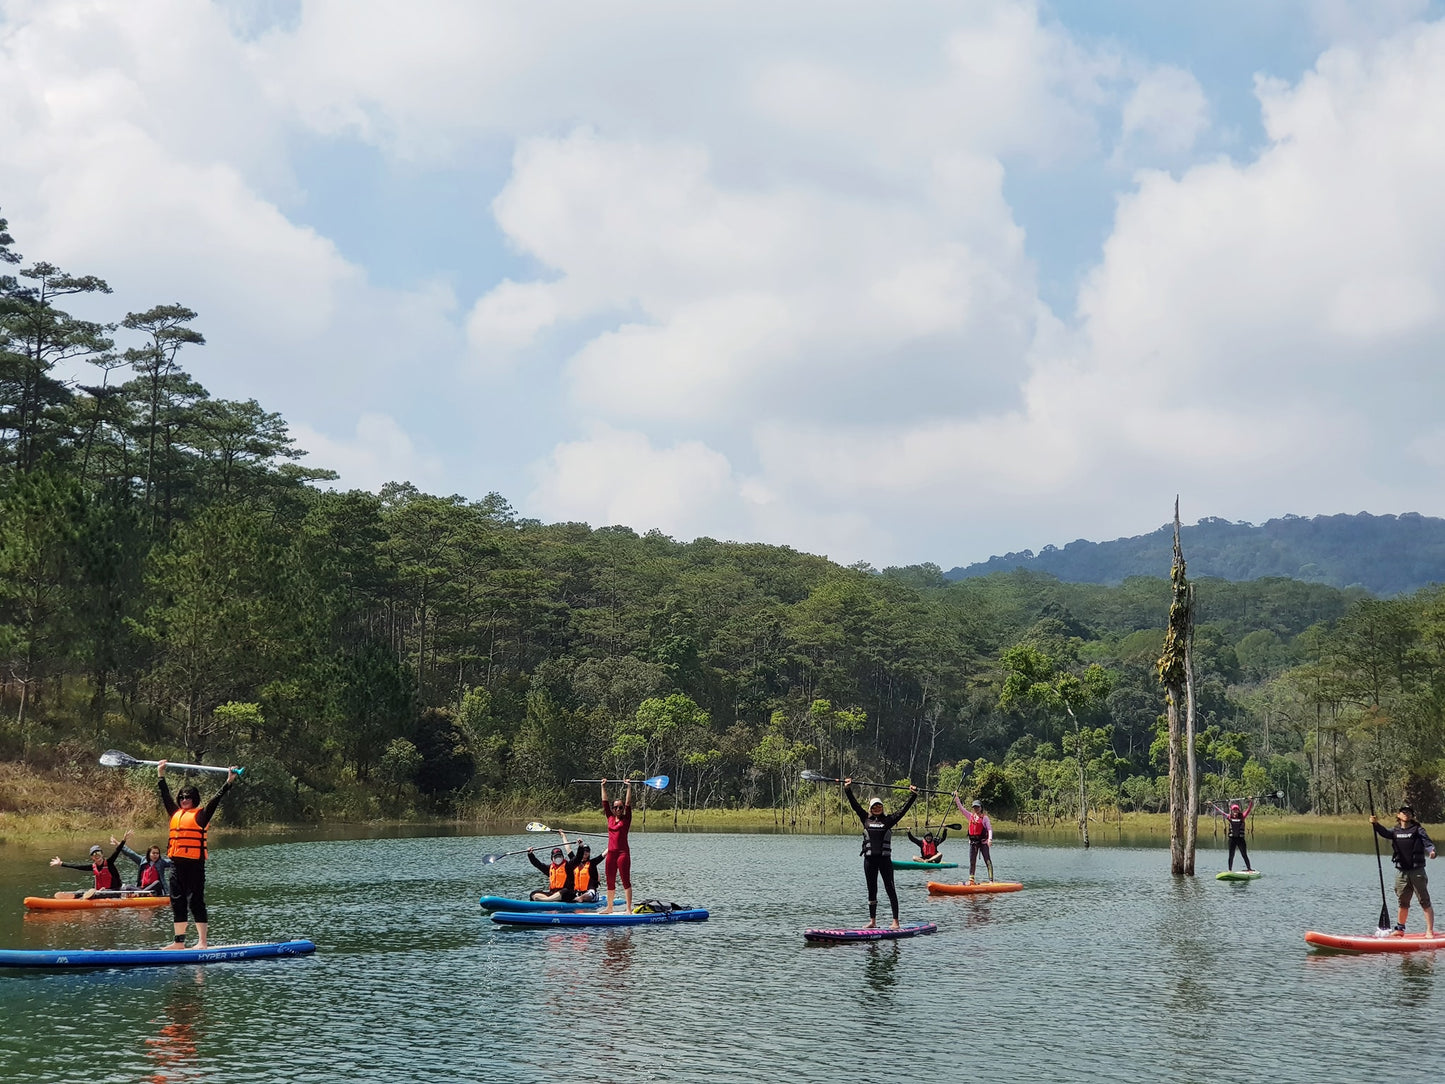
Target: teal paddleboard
{"type": "Point", "coordinates": [1242, 875]}
{"type": "Point", "coordinates": [900, 863]}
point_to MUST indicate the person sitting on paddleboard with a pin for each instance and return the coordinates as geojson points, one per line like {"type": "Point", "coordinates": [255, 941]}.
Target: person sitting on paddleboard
{"type": "Point", "coordinates": [152, 868]}
{"type": "Point", "coordinates": [1412, 844]}
{"type": "Point", "coordinates": [928, 846]}
{"type": "Point", "coordinates": [1234, 825]}
{"type": "Point", "coordinates": [980, 837]}
{"type": "Point", "coordinates": [584, 874]}
{"type": "Point", "coordinates": [619, 851]}
{"type": "Point", "coordinates": [107, 877]}
{"type": "Point", "coordinates": [877, 849]}
{"type": "Point", "coordinates": [559, 875]}
{"type": "Point", "coordinates": [187, 852]}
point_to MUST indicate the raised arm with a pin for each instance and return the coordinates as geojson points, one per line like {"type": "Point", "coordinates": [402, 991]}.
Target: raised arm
{"type": "Point", "coordinates": [848, 791]}
{"type": "Point", "coordinates": [914, 839]}
{"type": "Point", "coordinates": [1248, 809]}
{"type": "Point", "coordinates": [912, 797]}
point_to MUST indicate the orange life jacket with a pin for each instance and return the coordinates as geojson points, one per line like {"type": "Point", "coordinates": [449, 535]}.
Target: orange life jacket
{"type": "Point", "coordinates": [188, 839]}
{"type": "Point", "coordinates": [557, 876]}
{"type": "Point", "coordinates": [582, 876]}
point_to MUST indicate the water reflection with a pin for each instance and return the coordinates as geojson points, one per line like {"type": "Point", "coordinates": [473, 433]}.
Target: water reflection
{"type": "Point", "coordinates": [879, 970]}
{"type": "Point", "coordinates": [174, 1050]}
{"type": "Point", "coordinates": [1417, 972]}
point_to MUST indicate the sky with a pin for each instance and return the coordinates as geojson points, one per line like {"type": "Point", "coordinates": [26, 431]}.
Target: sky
{"type": "Point", "coordinates": [890, 283]}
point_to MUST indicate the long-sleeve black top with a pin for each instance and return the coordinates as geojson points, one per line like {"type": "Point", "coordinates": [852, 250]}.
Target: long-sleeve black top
{"type": "Point", "coordinates": [878, 831]}
{"type": "Point", "coordinates": [203, 818]}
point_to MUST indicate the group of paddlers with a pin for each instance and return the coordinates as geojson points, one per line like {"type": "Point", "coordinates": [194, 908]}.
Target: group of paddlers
{"type": "Point", "coordinates": [180, 873]}
{"type": "Point", "coordinates": [572, 873]}
{"type": "Point", "coordinates": [877, 849]}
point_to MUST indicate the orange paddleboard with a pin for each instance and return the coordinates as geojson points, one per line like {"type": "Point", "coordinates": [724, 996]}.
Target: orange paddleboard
{"type": "Point", "coordinates": [46, 903]}
{"type": "Point", "coordinates": [938, 888]}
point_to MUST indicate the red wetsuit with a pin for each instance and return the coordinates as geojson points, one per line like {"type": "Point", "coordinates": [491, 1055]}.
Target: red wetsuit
{"type": "Point", "coordinates": [619, 855]}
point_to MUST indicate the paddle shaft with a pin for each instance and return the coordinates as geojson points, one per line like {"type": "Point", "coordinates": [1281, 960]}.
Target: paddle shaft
{"type": "Point", "coordinates": [866, 783]}
{"type": "Point", "coordinates": [1379, 863]}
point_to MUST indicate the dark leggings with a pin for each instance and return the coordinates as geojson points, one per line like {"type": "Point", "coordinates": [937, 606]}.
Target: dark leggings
{"type": "Point", "coordinates": [1238, 841]}
{"type": "Point", "coordinates": [978, 847]}
{"type": "Point", "coordinates": [872, 869]}
{"type": "Point", "coordinates": [188, 889]}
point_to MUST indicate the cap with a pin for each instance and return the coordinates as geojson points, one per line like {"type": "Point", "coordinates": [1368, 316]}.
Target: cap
{"type": "Point", "coordinates": [1403, 809]}
{"type": "Point", "coordinates": [556, 852]}
{"type": "Point", "coordinates": [95, 849]}
{"type": "Point", "coordinates": [1233, 805]}
{"type": "Point", "coordinates": [875, 801]}
{"type": "Point", "coordinates": [977, 804]}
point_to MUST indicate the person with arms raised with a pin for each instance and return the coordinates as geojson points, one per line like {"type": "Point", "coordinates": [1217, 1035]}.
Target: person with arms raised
{"type": "Point", "coordinates": [188, 853]}
{"type": "Point", "coordinates": [619, 850]}
{"type": "Point", "coordinates": [877, 849]}
{"type": "Point", "coordinates": [107, 877]}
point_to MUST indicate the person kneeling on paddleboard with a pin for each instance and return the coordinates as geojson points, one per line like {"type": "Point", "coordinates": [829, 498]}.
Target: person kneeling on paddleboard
{"type": "Point", "coordinates": [584, 874]}
{"type": "Point", "coordinates": [878, 848]}
{"type": "Point", "coordinates": [928, 845]}
{"type": "Point", "coordinates": [187, 852]}
{"type": "Point", "coordinates": [559, 875]}
{"type": "Point", "coordinates": [1412, 844]}
{"type": "Point", "coordinates": [107, 877]}
{"type": "Point", "coordinates": [980, 837]}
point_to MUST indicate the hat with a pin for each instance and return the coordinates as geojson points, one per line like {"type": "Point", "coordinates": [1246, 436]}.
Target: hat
{"type": "Point", "coordinates": [875, 801]}
{"type": "Point", "coordinates": [95, 849]}
{"type": "Point", "coordinates": [1403, 809]}
{"type": "Point", "coordinates": [977, 804]}
{"type": "Point", "coordinates": [1233, 806]}
{"type": "Point", "coordinates": [556, 852]}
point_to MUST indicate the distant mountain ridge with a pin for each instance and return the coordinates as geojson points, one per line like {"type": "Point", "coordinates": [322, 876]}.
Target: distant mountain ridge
{"type": "Point", "coordinates": [1386, 555]}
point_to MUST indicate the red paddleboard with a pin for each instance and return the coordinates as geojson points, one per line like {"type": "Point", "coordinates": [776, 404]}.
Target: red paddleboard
{"type": "Point", "coordinates": [881, 933]}
{"type": "Point", "coordinates": [1408, 942]}
{"type": "Point", "coordinates": [938, 888]}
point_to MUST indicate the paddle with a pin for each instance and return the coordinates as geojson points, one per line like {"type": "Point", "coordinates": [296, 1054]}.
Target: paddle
{"type": "Point", "coordinates": [810, 776]}
{"type": "Point", "coordinates": [114, 758]}
{"type": "Point", "coordinates": [538, 826]}
{"type": "Point", "coordinates": [657, 782]}
{"type": "Point", "coordinates": [489, 859]}
{"type": "Point", "coordinates": [1384, 905]}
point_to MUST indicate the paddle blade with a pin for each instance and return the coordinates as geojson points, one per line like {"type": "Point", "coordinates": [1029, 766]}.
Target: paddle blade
{"type": "Point", "coordinates": [488, 859]}
{"type": "Point", "coordinates": [1384, 917]}
{"type": "Point", "coordinates": [114, 758]}
{"type": "Point", "coordinates": [537, 826]}
{"type": "Point", "coordinates": [657, 782]}
{"type": "Point", "coordinates": [810, 776]}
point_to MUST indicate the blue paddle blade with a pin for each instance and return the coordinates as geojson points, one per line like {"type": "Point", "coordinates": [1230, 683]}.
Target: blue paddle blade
{"type": "Point", "coordinates": [657, 782]}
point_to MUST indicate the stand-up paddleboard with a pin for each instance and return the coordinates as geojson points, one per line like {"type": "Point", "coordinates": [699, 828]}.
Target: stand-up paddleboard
{"type": "Point", "coordinates": [95, 903]}
{"type": "Point", "coordinates": [908, 863]}
{"type": "Point", "coordinates": [881, 933]}
{"type": "Point", "coordinates": [938, 888]}
{"type": "Point", "coordinates": [1408, 942]}
{"type": "Point", "coordinates": [1242, 875]}
{"type": "Point", "coordinates": [619, 918]}
{"type": "Point", "coordinates": [213, 954]}
{"type": "Point", "coordinates": [503, 903]}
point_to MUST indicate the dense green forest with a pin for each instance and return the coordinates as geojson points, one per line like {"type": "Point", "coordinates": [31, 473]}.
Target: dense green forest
{"type": "Point", "coordinates": [1386, 555]}
{"type": "Point", "coordinates": [174, 582]}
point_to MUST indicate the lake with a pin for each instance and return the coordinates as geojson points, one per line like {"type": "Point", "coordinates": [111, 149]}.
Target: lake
{"type": "Point", "coordinates": [1103, 968]}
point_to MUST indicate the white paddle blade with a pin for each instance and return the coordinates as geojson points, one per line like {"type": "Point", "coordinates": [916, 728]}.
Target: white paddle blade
{"type": "Point", "coordinates": [810, 776]}
{"type": "Point", "coordinates": [114, 758]}
{"type": "Point", "coordinates": [537, 826]}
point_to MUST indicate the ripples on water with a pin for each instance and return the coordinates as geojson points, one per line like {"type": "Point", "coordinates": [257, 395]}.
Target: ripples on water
{"type": "Point", "coordinates": [1103, 968]}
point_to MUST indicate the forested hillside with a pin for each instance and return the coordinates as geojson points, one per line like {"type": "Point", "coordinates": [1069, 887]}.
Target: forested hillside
{"type": "Point", "coordinates": [1386, 555]}
{"type": "Point", "coordinates": [173, 583]}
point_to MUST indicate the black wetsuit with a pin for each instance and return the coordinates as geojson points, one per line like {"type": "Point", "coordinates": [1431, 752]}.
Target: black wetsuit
{"type": "Point", "coordinates": [188, 875]}
{"type": "Point", "coordinates": [89, 868]}
{"type": "Point", "coordinates": [1235, 827]}
{"type": "Point", "coordinates": [877, 851]}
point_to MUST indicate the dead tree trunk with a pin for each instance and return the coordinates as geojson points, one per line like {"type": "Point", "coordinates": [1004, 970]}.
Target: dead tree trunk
{"type": "Point", "coordinates": [1176, 673]}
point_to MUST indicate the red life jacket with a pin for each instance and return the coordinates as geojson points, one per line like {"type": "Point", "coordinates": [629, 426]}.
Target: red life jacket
{"type": "Point", "coordinates": [103, 876]}
{"type": "Point", "coordinates": [976, 829]}
{"type": "Point", "coordinates": [557, 876]}
{"type": "Point", "coordinates": [149, 875]}
{"type": "Point", "coordinates": [928, 848]}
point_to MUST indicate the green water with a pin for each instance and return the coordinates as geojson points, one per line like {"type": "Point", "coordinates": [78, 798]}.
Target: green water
{"type": "Point", "coordinates": [1103, 968]}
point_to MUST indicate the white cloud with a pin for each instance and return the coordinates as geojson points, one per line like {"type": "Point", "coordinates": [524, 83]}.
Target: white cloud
{"type": "Point", "coordinates": [1166, 113]}
{"type": "Point", "coordinates": [378, 451]}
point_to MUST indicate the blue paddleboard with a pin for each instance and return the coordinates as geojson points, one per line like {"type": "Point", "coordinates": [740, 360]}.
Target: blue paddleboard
{"type": "Point", "coordinates": [502, 903]}
{"type": "Point", "coordinates": [619, 918]}
{"type": "Point", "coordinates": [879, 934]}
{"type": "Point", "coordinates": [214, 954]}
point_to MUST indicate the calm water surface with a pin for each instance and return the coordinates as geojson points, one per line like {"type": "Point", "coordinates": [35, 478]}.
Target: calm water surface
{"type": "Point", "coordinates": [1103, 968]}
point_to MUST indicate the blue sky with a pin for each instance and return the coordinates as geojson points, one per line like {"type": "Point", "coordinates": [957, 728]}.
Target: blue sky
{"type": "Point", "coordinates": [899, 288]}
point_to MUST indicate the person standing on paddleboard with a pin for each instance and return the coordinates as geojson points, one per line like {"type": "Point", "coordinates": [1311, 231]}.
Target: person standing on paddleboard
{"type": "Point", "coordinates": [1234, 830]}
{"type": "Point", "coordinates": [980, 837]}
{"type": "Point", "coordinates": [1412, 844]}
{"type": "Point", "coordinates": [877, 849]}
{"type": "Point", "coordinates": [107, 877]}
{"type": "Point", "coordinates": [619, 851]}
{"type": "Point", "coordinates": [187, 852]}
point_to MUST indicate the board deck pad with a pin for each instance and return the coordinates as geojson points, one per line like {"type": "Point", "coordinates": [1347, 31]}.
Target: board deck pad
{"type": "Point", "coordinates": [1408, 942]}
{"type": "Point", "coordinates": [881, 933]}
{"type": "Point", "coordinates": [151, 957]}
